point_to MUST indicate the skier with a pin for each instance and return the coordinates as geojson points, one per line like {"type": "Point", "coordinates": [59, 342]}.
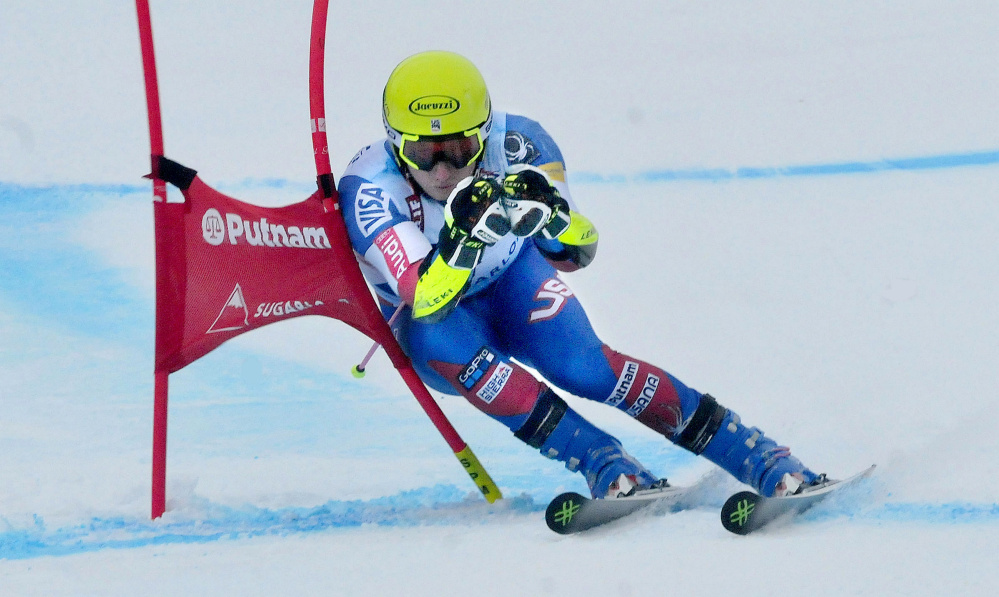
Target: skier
{"type": "Point", "coordinates": [463, 216]}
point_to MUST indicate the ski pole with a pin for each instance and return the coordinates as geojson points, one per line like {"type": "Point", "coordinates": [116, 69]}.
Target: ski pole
{"type": "Point", "coordinates": [358, 370]}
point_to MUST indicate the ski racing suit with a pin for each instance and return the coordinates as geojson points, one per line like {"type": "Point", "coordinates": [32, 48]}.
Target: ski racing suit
{"type": "Point", "coordinates": [516, 310]}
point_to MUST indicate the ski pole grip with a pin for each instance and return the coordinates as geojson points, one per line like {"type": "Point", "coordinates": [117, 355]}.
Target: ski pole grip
{"type": "Point", "coordinates": [478, 475]}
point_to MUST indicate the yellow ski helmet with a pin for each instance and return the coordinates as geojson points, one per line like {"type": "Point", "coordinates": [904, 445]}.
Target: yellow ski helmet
{"type": "Point", "coordinates": [436, 94]}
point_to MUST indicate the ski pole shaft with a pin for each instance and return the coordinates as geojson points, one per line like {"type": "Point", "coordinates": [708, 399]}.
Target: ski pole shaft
{"type": "Point", "coordinates": [358, 370]}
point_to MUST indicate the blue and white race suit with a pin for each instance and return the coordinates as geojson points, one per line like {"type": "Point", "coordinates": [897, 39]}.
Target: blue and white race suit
{"type": "Point", "coordinates": [517, 308]}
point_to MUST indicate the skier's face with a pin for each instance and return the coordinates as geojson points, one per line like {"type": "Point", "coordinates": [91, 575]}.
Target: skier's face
{"type": "Point", "coordinates": [439, 181]}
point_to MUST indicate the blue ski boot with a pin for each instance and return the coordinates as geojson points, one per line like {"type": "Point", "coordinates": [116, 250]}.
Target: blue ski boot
{"type": "Point", "coordinates": [562, 434]}
{"type": "Point", "coordinates": [718, 434]}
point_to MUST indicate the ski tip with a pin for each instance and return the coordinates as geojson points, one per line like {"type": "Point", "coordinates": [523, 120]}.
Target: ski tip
{"type": "Point", "coordinates": [561, 512]}
{"type": "Point", "coordinates": [737, 513]}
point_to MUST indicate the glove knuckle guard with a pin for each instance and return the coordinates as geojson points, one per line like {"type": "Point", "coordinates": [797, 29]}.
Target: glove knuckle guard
{"type": "Point", "coordinates": [474, 208]}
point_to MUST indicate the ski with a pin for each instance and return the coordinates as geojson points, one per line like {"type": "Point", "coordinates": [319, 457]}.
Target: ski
{"type": "Point", "coordinates": [571, 512]}
{"type": "Point", "coordinates": [747, 511]}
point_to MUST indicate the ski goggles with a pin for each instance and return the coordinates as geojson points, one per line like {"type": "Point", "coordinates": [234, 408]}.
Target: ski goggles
{"type": "Point", "coordinates": [459, 150]}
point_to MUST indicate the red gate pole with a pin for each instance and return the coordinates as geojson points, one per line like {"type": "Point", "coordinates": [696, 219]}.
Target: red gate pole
{"type": "Point", "coordinates": [160, 378]}
{"type": "Point", "coordinates": [159, 443]}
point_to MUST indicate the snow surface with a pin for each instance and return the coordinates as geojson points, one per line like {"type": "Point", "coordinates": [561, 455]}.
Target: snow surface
{"type": "Point", "coordinates": [799, 204]}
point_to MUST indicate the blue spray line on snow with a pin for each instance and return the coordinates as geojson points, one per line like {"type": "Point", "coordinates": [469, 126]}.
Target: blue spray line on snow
{"type": "Point", "coordinates": [441, 505]}
{"type": "Point", "coordinates": [910, 512]}
{"type": "Point", "coordinates": [935, 162]}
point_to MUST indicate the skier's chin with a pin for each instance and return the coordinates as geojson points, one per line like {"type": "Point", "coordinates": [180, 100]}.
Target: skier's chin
{"type": "Point", "coordinates": [440, 194]}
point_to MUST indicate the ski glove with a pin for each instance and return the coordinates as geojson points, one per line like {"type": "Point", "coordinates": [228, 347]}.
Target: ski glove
{"type": "Point", "coordinates": [474, 218]}
{"type": "Point", "coordinates": [533, 204]}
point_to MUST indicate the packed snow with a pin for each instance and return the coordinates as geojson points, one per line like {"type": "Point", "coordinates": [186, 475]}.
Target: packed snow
{"type": "Point", "coordinates": [799, 211]}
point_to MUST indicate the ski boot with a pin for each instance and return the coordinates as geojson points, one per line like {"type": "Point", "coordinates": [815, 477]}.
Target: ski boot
{"type": "Point", "coordinates": [718, 434]}
{"type": "Point", "coordinates": [562, 434]}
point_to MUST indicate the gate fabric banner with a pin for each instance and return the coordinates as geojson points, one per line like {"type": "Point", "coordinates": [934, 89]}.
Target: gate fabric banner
{"type": "Point", "coordinates": [230, 267]}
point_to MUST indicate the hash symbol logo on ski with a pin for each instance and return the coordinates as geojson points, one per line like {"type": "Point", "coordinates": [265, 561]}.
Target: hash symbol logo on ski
{"type": "Point", "coordinates": [561, 514]}
{"type": "Point", "coordinates": [566, 512]}
{"type": "Point", "coordinates": [743, 510]}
